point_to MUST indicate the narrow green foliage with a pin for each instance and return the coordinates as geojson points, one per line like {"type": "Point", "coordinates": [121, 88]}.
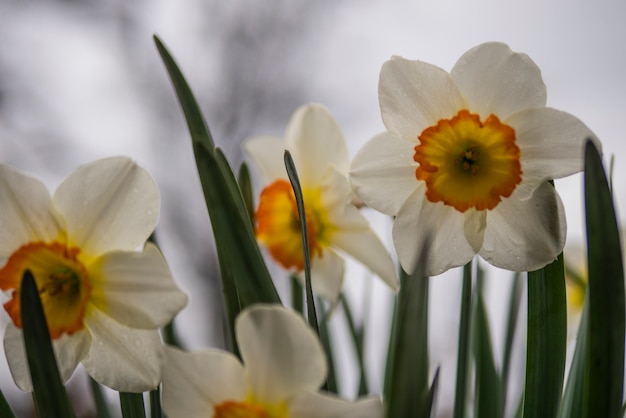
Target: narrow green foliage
{"type": "Point", "coordinates": [546, 340]}
{"type": "Point", "coordinates": [170, 336]}
{"type": "Point", "coordinates": [604, 371]}
{"type": "Point", "coordinates": [245, 277]}
{"type": "Point", "coordinates": [102, 408]}
{"type": "Point", "coordinates": [462, 361]}
{"type": "Point", "coordinates": [245, 185]}
{"type": "Point", "coordinates": [331, 384]}
{"type": "Point", "coordinates": [5, 409]}
{"type": "Point", "coordinates": [407, 389]}
{"type": "Point", "coordinates": [488, 403]}
{"type": "Point", "coordinates": [432, 393]}
{"type": "Point", "coordinates": [48, 391]}
{"type": "Point", "coordinates": [132, 405]}
{"type": "Point", "coordinates": [357, 335]}
{"type": "Point", "coordinates": [572, 401]}
{"type": "Point", "coordinates": [297, 295]}
{"type": "Point", "coordinates": [513, 313]}
{"type": "Point", "coordinates": [155, 403]}
{"type": "Point", "coordinates": [297, 190]}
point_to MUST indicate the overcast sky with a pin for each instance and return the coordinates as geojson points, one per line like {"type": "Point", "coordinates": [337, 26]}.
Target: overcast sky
{"type": "Point", "coordinates": [79, 80]}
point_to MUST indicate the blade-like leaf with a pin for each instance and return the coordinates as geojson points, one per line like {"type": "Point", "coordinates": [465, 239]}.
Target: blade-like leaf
{"type": "Point", "coordinates": [239, 256]}
{"type": "Point", "coordinates": [514, 304]}
{"type": "Point", "coordinates": [546, 340]}
{"type": "Point", "coordinates": [245, 185]}
{"type": "Point", "coordinates": [297, 295]}
{"type": "Point", "coordinates": [132, 405]}
{"type": "Point", "coordinates": [572, 401]}
{"type": "Point", "coordinates": [155, 403]}
{"type": "Point", "coordinates": [357, 335]}
{"type": "Point", "coordinates": [432, 393]}
{"type": "Point", "coordinates": [5, 409]}
{"type": "Point", "coordinates": [462, 363]}
{"type": "Point", "coordinates": [407, 394]}
{"type": "Point", "coordinates": [331, 384]}
{"type": "Point", "coordinates": [102, 408]}
{"type": "Point", "coordinates": [48, 391]}
{"type": "Point", "coordinates": [488, 386]}
{"type": "Point", "coordinates": [297, 191]}
{"type": "Point", "coordinates": [234, 237]}
{"type": "Point", "coordinates": [604, 371]}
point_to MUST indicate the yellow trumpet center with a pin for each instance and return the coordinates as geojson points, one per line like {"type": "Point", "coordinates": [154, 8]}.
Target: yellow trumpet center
{"type": "Point", "coordinates": [62, 281]}
{"type": "Point", "coordinates": [278, 224]}
{"type": "Point", "coordinates": [249, 409]}
{"type": "Point", "coordinates": [467, 163]}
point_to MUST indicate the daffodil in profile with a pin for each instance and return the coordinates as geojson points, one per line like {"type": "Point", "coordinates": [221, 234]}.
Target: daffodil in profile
{"type": "Point", "coordinates": [466, 161]}
{"type": "Point", "coordinates": [283, 368]}
{"type": "Point", "coordinates": [104, 293]}
{"type": "Point", "coordinates": [334, 224]}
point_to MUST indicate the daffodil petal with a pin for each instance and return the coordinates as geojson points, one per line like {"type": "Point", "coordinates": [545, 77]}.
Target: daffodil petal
{"type": "Point", "coordinates": [443, 227]}
{"type": "Point", "coordinates": [267, 153]}
{"type": "Point", "coordinates": [27, 214]}
{"type": "Point", "coordinates": [365, 246]}
{"type": "Point", "coordinates": [327, 273]}
{"type": "Point", "coordinates": [474, 227]}
{"type": "Point", "coordinates": [414, 95]}
{"type": "Point", "coordinates": [525, 235]}
{"type": "Point", "coordinates": [136, 288]}
{"type": "Point", "coordinates": [319, 405]}
{"type": "Point", "coordinates": [69, 350]}
{"type": "Point", "coordinates": [316, 143]}
{"type": "Point", "coordinates": [193, 383]}
{"type": "Point", "coordinates": [122, 358]}
{"type": "Point", "coordinates": [551, 143]}
{"type": "Point", "coordinates": [496, 80]}
{"type": "Point", "coordinates": [281, 354]}
{"type": "Point", "coordinates": [383, 173]}
{"type": "Point", "coordinates": [110, 204]}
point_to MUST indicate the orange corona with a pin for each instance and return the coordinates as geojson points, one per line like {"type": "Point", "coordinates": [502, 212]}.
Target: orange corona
{"type": "Point", "coordinates": [62, 281]}
{"type": "Point", "coordinates": [467, 163]}
{"type": "Point", "coordinates": [278, 224]}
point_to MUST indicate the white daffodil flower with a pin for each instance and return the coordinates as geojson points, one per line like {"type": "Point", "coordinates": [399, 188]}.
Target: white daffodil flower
{"type": "Point", "coordinates": [283, 367]}
{"type": "Point", "coordinates": [466, 161]}
{"type": "Point", "coordinates": [334, 224]}
{"type": "Point", "coordinates": [103, 299]}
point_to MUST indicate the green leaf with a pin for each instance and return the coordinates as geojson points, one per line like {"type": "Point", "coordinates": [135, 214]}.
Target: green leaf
{"type": "Point", "coordinates": [331, 384]}
{"type": "Point", "coordinates": [102, 408]}
{"type": "Point", "coordinates": [245, 185]}
{"type": "Point", "coordinates": [234, 237]}
{"type": "Point", "coordinates": [297, 190]}
{"type": "Point", "coordinates": [48, 391]}
{"type": "Point", "coordinates": [407, 389]}
{"type": "Point", "coordinates": [5, 409]}
{"type": "Point", "coordinates": [297, 295]}
{"type": "Point", "coordinates": [513, 313]}
{"type": "Point", "coordinates": [357, 335]}
{"type": "Point", "coordinates": [546, 340]}
{"type": "Point", "coordinates": [462, 361]}
{"type": "Point", "coordinates": [604, 371]}
{"type": "Point", "coordinates": [572, 401]}
{"type": "Point", "coordinates": [132, 405]}
{"type": "Point", "coordinates": [488, 386]}
{"type": "Point", "coordinates": [155, 403]}
{"type": "Point", "coordinates": [244, 275]}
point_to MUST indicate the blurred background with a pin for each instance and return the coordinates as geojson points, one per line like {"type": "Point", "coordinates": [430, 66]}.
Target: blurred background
{"type": "Point", "coordinates": [82, 80]}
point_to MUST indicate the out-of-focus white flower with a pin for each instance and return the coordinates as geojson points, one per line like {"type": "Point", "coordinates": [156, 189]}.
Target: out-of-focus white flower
{"type": "Point", "coordinates": [334, 224]}
{"type": "Point", "coordinates": [466, 159]}
{"type": "Point", "coordinates": [103, 299]}
{"type": "Point", "coordinates": [283, 367]}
